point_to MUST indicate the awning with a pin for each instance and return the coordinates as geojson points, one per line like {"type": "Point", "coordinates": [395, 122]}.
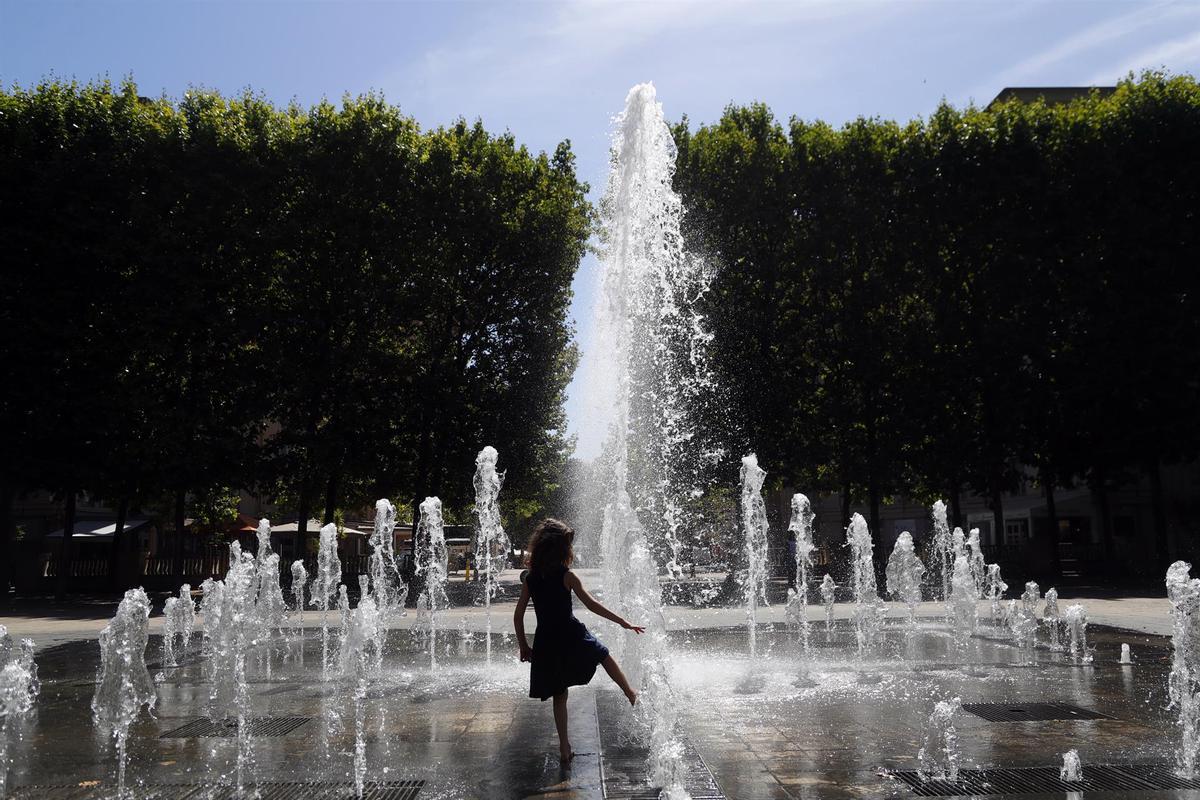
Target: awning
{"type": "Point", "coordinates": [98, 530]}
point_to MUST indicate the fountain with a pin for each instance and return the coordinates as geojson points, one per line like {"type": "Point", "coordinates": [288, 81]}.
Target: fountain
{"type": "Point", "coordinates": [1126, 657]}
{"type": "Point", "coordinates": [964, 604]}
{"type": "Point", "coordinates": [299, 580]}
{"type": "Point", "coordinates": [186, 622]}
{"type": "Point", "coordinates": [19, 688]}
{"type": "Point", "coordinates": [1072, 769]}
{"type": "Point", "coordinates": [801, 524]}
{"type": "Point", "coordinates": [324, 585]}
{"type": "Point", "coordinates": [269, 604]}
{"type": "Point", "coordinates": [754, 529]}
{"type": "Point", "coordinates": [169, 634]}
{"type": "Point", "coordinates": [233, 626]}
{"type": "Point", "coordinates": [828, 598]}
{"type": "Point", "coordinates": [1052, 618]}
{"type": "Point", "coordinates": [975, 554]}
{"type": "Point", "coordinates": [1075, 618]}
{"type": "Point", "coordinates": [643, 391]}
{"type": "Point", "coordinates": [905, 572]}
{"type": "Point", "coordinates": [124, 685]}
{"type": "Point", "coordinates": [869, 612]}
{"type": "Point", "coordinates": [996, 587]}
{"type": "Point", "coordinates": [1183, 684]}
{"type": "Point", "coordinates": [939, 756]}
{"type": "Point", "coordinates": [388, 588]}
{"type": "Point", "coordinates": [492, 545]}
{"type": "Point", "coordinates": [1030, 598]}
{"type": "Point", "coordinates": [943, 548]}
{"type": "Point", "coordinates": [1024, 623]}
{"type": "Point", "coordinates": [432, 565]}
{"type": "Point", "coordinates": [358, 662]}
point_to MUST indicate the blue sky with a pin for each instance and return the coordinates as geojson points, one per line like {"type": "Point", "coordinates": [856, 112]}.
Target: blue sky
{"type": "Point", "coordinates": [549, 71]}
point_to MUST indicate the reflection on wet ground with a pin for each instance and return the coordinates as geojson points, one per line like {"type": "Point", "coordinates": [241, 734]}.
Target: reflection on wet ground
{"type": "Point", "coordinates": [468, 730]}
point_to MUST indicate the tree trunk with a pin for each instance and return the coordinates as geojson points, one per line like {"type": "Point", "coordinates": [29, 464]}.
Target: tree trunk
{"type": "Point", "coordinates": [1157, 504]}
{"type": "Point", "coordinates": [1052, 513]}
{"type": "Point", "coordinates": [180, 525]}
{"type": "Point", "coordinates": [331, 496]}
{"type": "Point", "coordinates": [997, 516]}
{"type": "Point", "coordinates": [876, 531]}
{"type": "Point", "coordinates": [8, 540]}
{"type": "Point", "coordinates": [64, 552]}
{"type": "Point", "coordinates": [1100, 494]}
{"type": "Point", "coordinates": [303, 510]}
{"type": "Point", "coordinates": [114, 558]}
{"type": "Point", "coordinates": [955, 505]}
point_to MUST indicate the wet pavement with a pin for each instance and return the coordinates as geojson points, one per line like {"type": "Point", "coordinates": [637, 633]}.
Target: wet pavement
{"type": "Point", "coordinates": [467, 730]}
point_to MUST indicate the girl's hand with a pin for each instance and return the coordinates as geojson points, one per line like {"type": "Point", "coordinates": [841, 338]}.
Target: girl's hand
{"type": "Point", "coordinates": [634, 628]}
{"type": "Point", "coordinates": [526, 653]}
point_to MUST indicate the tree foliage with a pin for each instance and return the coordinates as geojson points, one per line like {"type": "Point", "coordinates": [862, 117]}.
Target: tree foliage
{"type": "Point", "coordinates": [962, 303]}
{"type": "Point", "coordinates": [329, 304]}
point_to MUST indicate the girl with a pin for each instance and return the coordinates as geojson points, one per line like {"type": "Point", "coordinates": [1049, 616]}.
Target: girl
{"type": "Point", "coordinates": [564, 652]}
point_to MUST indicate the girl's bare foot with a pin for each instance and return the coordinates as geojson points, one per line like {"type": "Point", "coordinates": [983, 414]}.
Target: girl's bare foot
{"type": "Point", "coordinates": [566, 756]}
{"type": "Point", "coordinates": [632, 695]}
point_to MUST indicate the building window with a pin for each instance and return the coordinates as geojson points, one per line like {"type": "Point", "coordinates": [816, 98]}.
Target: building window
{"type": "Point", "coordinates": [1016, 531]}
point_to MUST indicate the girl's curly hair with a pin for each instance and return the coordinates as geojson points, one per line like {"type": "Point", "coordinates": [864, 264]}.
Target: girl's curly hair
{"type": "Point", "coordinates": [550, 546]}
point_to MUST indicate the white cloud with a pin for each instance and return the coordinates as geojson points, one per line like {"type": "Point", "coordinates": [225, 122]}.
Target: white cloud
{"type": "Point", "coordinates": [1059, 62]}
{"type": "Point", "coordinates": [1176, 55]}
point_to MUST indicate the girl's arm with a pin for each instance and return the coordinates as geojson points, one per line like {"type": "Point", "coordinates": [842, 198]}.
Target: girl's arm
{"type": "Point", "coordinates": [519, 621]}
{"type": "Point", "coordinates": [572, 581]}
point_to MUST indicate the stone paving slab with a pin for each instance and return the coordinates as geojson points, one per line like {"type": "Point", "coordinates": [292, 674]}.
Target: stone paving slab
{"type": "Point", "coordinates": [469, 731]}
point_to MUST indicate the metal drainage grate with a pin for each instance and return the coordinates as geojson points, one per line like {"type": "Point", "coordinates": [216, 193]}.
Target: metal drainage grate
{"type": "Point", "coordinates": [624, 768]}
{"type": "Point", "coordinates": [1045, 780]}
{"type": "Point", "coordinates": [1030, 712]}
{"type": "Point", "coordinates": [259, 726]}
{"type": "Point", "coordinates": [271, 790]}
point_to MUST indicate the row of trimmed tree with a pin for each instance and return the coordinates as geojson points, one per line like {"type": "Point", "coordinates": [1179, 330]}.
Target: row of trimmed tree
{"type": "Point", "coordinates": [326, 304]}
{"type": "Point", "coordinates": [973, 302]}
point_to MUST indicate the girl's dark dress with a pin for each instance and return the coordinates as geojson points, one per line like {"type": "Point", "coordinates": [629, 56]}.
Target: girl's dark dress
{"type": "Point", "coordinates": [565, 653]}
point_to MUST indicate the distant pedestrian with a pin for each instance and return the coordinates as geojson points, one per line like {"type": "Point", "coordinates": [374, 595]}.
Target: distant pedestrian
{"type": "Point", "coordinates": [564, 651]}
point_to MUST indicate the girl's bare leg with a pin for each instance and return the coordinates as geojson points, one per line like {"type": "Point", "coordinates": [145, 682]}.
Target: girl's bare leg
{"type": "Point", "coordinates": [560, 722]}
{"type": "Point", "coordinates": [614, 671]}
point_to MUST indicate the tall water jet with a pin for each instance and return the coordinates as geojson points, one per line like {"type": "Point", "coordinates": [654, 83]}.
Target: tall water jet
{"type": "Point", "coordinates": [1183, 684]}
{"type": "Point", "coordinates": [388, 588]}
{"type": "Point", "coordinates": [828, 598]}
{"type": "Point", "coordinates": [324, 585]}
{"type": "Point", "coordinates": [943, 548]}
{"type": "Point", "coordinates": [432, 565]}
{"type": "Point", "coordinates": [994, 590]}
{"type": "Point", "coordinates": [905, 573]}
{"type": "Point", "coordinates": [1051, 616]}
{"type": "Point", "coordinates": [124, 685]}
{"type": "Point", "coordinates": [643, 387]}
{"type": "Point", "coordinates": [754, 530]}
{"type": "Point", "coordinates": [19, 688]}
{"type": "Point", "coordinates": [939, 754]}
{"type": "Point", "coordinates": [492, 544]}
{"type": "Point", "coordinates": [1075, 618]}
{"type": "Point", "coordinates": [869, 611]}
{"type": "Point", "coordinates": [801, 525]}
